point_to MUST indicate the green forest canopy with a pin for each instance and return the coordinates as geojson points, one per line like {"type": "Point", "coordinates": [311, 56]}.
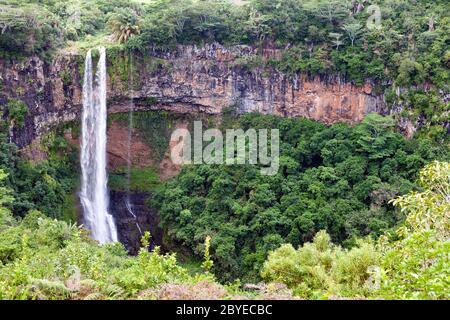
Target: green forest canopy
{"type": "Point", "coordinates": [336, 178]}
{"type": "Point", "coordinates": [411, 45]}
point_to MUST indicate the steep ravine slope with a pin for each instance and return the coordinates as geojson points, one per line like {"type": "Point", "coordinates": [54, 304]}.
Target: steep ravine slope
{"type": "Point", "coordinates": [186, 79]}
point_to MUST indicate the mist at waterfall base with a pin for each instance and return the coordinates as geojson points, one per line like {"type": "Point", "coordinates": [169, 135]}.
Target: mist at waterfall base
{"type": "Point", "coordinates": [94, 182]}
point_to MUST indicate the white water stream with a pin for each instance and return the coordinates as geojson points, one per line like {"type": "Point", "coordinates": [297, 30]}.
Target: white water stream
{"type": "Point", "coordinates": [128, 204]}
{"type": "Point", "coordinates": [94, 190]}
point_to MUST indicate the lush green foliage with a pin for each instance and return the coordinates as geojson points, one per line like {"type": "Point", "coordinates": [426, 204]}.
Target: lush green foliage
{"type": "Point", "coordinates": [140, 179]}
{"type": "Point", "coordinates": [44, 185]}
{"type": "Point", "coordinates": [16, 111]}
{"type": "Point", "coordinates": [337, 178]}
{"type": "Point", "coordinates": [27, 28]}
{"type": "Point", "coordinates": [45, 259]}
{"type": "Point", "coordinates": [409, 48]}
{"type": "Point", "coordinates": [416, 266]}
{"type": "Point", "coordinates": [42, 26]}
{"type": "Point", "coordinates": [331, 198]}
{"type": "Point", "coordinates": [124, 24]}
{"type": "Point", "coordinates": [41, 258]}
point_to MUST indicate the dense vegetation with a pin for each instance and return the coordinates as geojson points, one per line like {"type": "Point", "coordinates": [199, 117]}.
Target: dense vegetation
{"type": "Point", "coordinates": [48, 259]}
{"type": "Point", "coordinates": [414, 266]}
{"type": "Point", "coordinates": [46, 185]}
{"type": "Point", "coordinates": [336, 178]}
{"type": "Point", "coordinates": [42, 258]}
{"type": "Point", "coordinates": [410, 45]}
{"type": "Point", "coordinates": [354, 211]}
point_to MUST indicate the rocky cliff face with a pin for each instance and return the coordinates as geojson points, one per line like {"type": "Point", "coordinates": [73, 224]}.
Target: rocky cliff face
{"type": "Point", "coordinates": [186, 79]}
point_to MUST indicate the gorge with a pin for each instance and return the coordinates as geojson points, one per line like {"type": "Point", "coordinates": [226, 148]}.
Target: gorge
{"type": "Point", "coordinates": [186, 80]}
{"type": "Point", "coordinates": [94, 190]}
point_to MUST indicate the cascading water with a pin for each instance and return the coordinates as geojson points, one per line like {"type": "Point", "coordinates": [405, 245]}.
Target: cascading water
{"type": "Point", "coordinates": [94, 190]}
{"type": "Point", "coordinates": [128, 204]}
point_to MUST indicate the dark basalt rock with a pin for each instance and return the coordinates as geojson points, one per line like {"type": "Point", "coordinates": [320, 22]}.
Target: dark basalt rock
{"type": "Point", "coordinates": [147, 218]}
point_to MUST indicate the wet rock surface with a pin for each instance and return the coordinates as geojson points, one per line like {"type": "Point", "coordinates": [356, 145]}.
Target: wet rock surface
{"type": "Point", "coordinates": [147, 218]}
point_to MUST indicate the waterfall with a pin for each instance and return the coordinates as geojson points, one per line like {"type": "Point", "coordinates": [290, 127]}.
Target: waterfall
{"type": "Point", "coordinates": [128, 204]}
{"type": "Point", "coordinates": [94, 190]}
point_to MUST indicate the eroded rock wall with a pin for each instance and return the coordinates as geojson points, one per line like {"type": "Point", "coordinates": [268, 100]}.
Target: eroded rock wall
{"type": "Point", "coordinates": [186, 79]}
